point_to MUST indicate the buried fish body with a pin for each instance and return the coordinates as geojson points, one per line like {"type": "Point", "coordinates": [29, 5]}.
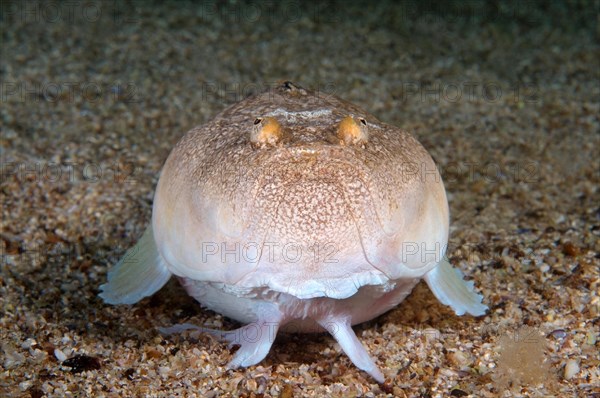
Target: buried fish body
{"type": "Point", "coordinates": [295, 208]}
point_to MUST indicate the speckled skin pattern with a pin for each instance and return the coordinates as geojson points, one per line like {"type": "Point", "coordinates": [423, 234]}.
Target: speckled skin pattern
{"type": "Point", "coordinates": [355, 205]}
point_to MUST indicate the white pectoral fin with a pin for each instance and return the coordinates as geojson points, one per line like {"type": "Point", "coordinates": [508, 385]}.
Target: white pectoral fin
{"type": "Point", "coordinates": [342, 331]}
{"type": "Point", "coordinates": [255, 339]}
{"type": "Point", "coordinates": [140, 273]}
{"type": "Point", "coordinates": [447, 284]}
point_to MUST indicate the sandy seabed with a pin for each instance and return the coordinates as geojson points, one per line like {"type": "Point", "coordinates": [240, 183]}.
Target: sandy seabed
{"type": "Point", "coordinates": [505, 96]}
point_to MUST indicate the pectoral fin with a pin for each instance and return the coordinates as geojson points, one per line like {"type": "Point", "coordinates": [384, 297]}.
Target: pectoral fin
{"type": "Point", "coordinates": [447, 284]}
{"type": "Point", "coordinates": [342, 331]}
{"type": "Point", "coordinates": [140, 273]}
{"type": "Point", "coordinates": [255, 339]}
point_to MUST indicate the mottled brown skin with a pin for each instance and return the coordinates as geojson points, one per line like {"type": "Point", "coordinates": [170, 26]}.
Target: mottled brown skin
{"type": "Point", "coordinates": [309, 188]}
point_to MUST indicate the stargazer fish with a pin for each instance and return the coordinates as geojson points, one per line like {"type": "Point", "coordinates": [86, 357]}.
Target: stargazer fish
{"type": "Point", "coordinates": [296, 207]}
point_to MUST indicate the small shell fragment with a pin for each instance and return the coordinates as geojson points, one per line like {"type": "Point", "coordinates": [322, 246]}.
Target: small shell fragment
{"type": "Point", "coordinates": [60, 356]}
{"type": "Point", "coordinates": [571, 369]}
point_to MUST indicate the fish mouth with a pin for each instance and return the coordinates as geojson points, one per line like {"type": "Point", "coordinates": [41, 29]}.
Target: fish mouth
{"type": "Point", "coordinates": [317, 198]}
